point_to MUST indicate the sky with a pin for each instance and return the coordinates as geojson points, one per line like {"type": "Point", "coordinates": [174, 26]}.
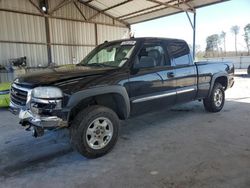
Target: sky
{"type": "Point", "coordinates": [210, 20]}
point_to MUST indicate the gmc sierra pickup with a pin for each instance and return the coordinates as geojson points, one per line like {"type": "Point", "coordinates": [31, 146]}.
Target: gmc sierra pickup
{"type": "Point", "coordinates": [117, 80]}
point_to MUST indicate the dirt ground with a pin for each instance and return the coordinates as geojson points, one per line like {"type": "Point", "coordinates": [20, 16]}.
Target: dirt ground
{"type": "Point", "coordinates": [179, 147]}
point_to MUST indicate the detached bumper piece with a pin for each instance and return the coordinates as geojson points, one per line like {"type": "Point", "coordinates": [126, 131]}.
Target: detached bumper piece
{"type": "Point", "coordinates": [38, 123]}
{"type": "Point", "coordinates": [49, 122]}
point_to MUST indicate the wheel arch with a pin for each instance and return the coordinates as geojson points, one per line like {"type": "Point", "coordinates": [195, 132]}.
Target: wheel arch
{"type": "Point", "coordinates": [221, 78]}
{"type": "Point", "coordinates": [113, 97]}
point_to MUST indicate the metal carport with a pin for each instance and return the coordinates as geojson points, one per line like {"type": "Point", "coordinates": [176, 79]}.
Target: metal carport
{"type": "Point", "coordinates": [136, 11]}
{"type": "Point", "coordinates": [64, 31]}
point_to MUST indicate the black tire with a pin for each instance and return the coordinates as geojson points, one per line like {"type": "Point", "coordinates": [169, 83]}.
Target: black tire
{"type": "Point", "coordinates": [248, 70]}
{"type": "Point", "coordinates": [210, 102]}
{"type": "Point", "coordinates": [82, 123]}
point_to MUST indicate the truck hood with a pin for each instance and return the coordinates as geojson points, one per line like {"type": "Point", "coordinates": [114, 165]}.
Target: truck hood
{"type": "Point", "coordinates": [59, 75]}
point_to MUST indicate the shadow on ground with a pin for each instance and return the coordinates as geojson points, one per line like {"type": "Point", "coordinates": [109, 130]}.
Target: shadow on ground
{"type": "Point", "coordinates": [184, 146]}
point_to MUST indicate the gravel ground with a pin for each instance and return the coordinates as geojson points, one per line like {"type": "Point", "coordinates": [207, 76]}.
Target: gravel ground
{"type": "Point", "coordinates": [179, 147]}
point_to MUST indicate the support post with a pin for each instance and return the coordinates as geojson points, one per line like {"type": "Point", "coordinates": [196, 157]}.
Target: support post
{"type": "Point", "coordinates": [194, 34]}
{"type": "Point", "coordinates": [47, 30]}
{"type": "Point", "coordinates": [96, 35]}
{"type": "Point", "coordinates": [193, 25]}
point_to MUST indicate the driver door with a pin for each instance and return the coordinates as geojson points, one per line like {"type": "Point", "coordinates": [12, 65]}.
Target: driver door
{"type": "Point", "coordinates": [150, 84]}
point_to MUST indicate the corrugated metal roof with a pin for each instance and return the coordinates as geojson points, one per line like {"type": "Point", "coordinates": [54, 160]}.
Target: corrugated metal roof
{"type": "Point", "coordinates": [104, 4]}
{"type": "Point", "coordinates": [22, 5]}
{"type": "Point", "coordinates": [135, 11]}
{"type": "Point", "coordinates": [131, 6]}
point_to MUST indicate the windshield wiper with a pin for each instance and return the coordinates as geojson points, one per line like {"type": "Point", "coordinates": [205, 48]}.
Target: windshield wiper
{"type": "Point", "coordinates": [92, 64]}
{"type": "Point", "coordinates": [96, 64]}
{"type": "Point", "coordinates": [124, 58]}
{"type": "Point", "coordinates": [99, 65]}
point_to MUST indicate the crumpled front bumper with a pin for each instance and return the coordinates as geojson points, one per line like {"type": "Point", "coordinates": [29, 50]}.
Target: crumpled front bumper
{"type": "Point", "coordinates": [27, 118]}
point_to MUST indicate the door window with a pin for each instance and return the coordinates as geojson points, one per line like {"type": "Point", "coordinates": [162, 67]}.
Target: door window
{"type": "Point", "coordinates": [151, 55]}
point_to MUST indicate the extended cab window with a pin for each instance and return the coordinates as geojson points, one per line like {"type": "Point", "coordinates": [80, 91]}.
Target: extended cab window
{"type": "Point", "coordinates": [151, 55]}
{"type": "Point", "coordinates": [179, 53]}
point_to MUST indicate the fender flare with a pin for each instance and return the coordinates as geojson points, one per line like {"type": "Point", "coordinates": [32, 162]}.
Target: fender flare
{"type": "Point", "coordinates": [214, 77]}
{"type": "Point", "coordinates": [77, 97]}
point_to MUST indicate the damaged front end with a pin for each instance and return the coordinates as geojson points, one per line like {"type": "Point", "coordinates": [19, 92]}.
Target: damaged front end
{"type": "Point", "coordinates": [39, 108]}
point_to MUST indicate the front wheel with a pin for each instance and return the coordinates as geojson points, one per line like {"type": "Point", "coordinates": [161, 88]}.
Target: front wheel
{"type": "Point", "coordinates": [94, 131]}
{"type": "Point", "coordinates": [215, 101]}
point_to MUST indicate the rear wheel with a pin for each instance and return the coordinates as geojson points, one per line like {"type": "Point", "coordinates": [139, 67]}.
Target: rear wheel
{"type": "Point", "coordinates": [94, 131]}
{"type": "Point", "coordinates": [215, 101]}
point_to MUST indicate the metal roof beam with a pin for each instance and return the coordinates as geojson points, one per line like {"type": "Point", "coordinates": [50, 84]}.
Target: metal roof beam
{"type": "Point", "coordinates": [191, 23]}
{"type": "Point", "coordinates": [146, 13]}
{"type": "Point", "coordinates": [37, 7]}
{"type": "Point", "coordinates": [114, 6]}
{"type": "Point", "coordinates": [167, 5]}
{"type": "Point", "coordinates": [180, 10]}
{"type": "Point", "coordinates": [98, 10]}
{"type": "Point", "coordinates": [60, 18]}
{"type": "Point", "coordinates": [80, 11]}
{"type": "Point", "coordinates": [136, 12]}
{"type": "Point", "coordinates": [155, 1]}
{"type": "Point", "coordinates": [186, 2]}
{"type": "Point", "coordinates": [60, 5]}
{"type": "Point", "coordinates": [86, 1]}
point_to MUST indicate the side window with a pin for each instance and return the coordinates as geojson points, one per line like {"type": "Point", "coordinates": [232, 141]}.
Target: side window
{"type": "Point", "coordinates": [151, 55]}
{"type": "Point", "coordinates": [179, 52]}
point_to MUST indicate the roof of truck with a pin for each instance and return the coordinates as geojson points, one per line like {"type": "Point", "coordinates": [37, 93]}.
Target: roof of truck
{"type": "Point", "coordinates": [147, 38]}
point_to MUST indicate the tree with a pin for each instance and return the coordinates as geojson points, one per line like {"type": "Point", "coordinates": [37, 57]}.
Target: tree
{"type": "Point", "coordinates": [235, 30]}
{"type": "Point", "coordinates": [247, 37]}
{"type": "Point", "coordinates": [223, 39]}
{"type": "Point", "coordinates": [212, 43]}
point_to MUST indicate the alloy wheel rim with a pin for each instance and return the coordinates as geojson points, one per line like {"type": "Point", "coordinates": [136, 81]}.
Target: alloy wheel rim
{"type": "Point", "coordinates": [218, 97]}
{"type": "Point", "coordinates": [99, 133]}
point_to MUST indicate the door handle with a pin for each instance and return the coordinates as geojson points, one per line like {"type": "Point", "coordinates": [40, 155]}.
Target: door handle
{"type": "Point", "coordinates": [170, 74]}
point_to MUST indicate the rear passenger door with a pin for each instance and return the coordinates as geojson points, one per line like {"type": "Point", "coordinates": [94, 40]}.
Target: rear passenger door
{"type": "Point", "coordinates": [185, 71]}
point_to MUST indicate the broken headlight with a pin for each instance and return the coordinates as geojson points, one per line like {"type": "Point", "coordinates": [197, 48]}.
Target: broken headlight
{"type": "Point", "coordinates": [45, 100]}
{"type": "Point", "coordinates": [47, 93]}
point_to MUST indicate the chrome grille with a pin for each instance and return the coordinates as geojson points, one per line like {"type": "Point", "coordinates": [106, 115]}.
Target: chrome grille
{"type": "Point", "coordinates": [18, 95]}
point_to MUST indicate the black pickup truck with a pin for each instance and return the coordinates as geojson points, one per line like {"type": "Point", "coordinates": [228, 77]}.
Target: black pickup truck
{"type": "Point", "coordinates": [117, 80]}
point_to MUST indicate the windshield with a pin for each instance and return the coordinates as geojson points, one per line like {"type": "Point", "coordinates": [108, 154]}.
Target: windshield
{"type": "Point", "coordinates": [113, 55]}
